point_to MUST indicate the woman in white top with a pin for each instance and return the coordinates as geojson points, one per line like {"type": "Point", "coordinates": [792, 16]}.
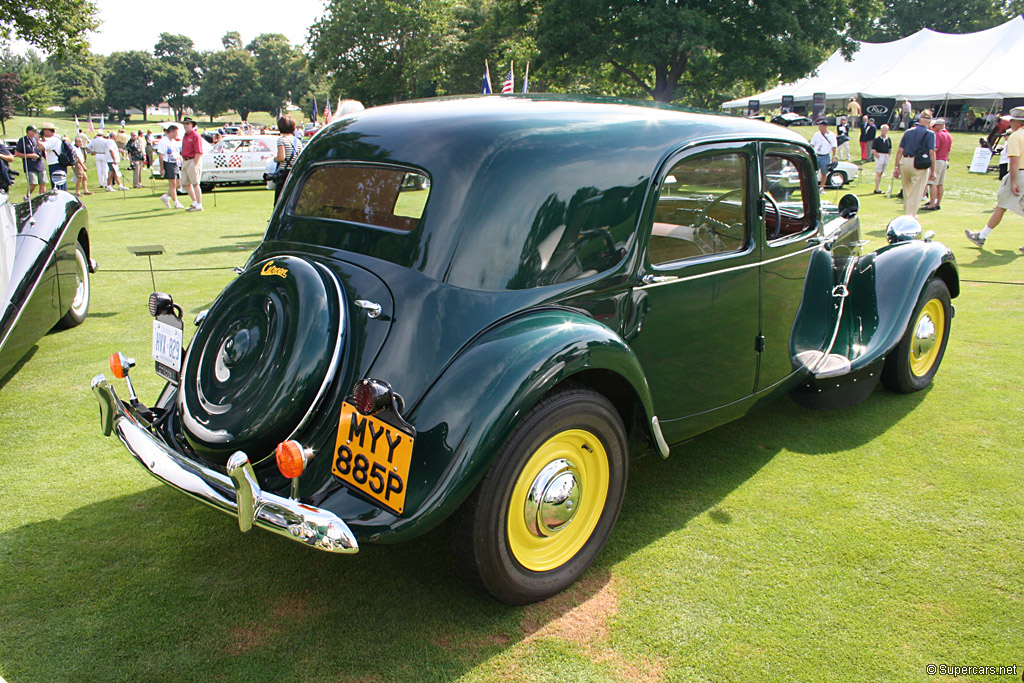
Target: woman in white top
{"type": "Point", "coordinates": [169, 149]}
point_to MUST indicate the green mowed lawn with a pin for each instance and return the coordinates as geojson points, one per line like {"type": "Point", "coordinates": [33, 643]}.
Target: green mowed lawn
{"type": "Point", "coordinates": [790, 545]}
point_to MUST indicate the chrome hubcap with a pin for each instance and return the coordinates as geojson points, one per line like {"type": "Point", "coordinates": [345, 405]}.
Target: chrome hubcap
{"type": "Point", "coordinates": [81, 293]}
{"type": "Point", "coordinates": [553, 499]}
{"type": "Point", "coordinates": [924, 335]}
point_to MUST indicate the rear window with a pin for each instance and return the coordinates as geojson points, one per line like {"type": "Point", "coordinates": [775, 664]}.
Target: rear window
{"type": "Point", "coordinates": [380, 196]}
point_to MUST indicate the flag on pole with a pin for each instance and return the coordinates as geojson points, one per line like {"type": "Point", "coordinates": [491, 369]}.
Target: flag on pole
{"type": "Point", "coordinates": [314, 109]}
{"type": "Point", "coordinates": [328, 114]}
{"type": "Point", "coordinates": [510, 84]}
{"type": "Point", "coordinates": [101, 121]}
{"type": "Point", "coordinates": [78, 127]}
{"type": "Point", "coordinates": [526, 79]}
{"type": "Point", "coordinates": [486, 90]}
{"type": "Point", "coordinates": [91, 129]}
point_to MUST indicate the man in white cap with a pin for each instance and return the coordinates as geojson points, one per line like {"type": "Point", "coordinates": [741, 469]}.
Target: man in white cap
{"type": "Point", "coordinates": [1009, 196]}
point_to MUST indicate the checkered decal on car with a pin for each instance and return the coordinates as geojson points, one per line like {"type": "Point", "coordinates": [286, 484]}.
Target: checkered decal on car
{"type": "Point", "coordinates": [225, 161]}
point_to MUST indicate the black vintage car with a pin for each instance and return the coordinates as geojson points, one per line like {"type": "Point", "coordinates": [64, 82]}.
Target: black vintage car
{"type": "Point", "coordinates": [44, 270]}
{"type": "Point", "coordinates": [476, 310]}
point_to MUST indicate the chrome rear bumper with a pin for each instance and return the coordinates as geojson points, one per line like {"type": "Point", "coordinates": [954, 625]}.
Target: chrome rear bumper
{"type": "Point", "coordinates": [237, 493]}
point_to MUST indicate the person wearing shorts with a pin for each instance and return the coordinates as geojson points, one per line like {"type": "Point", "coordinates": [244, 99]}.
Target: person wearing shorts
{"type": "Point", "coordinates": [824, 144]}
{"type": "Point", "coordinates": [169, 149]}
{"type": "Point", "coordinates": [191, 167]}
{"type": "Point", "coordinates": [943, 143]}
{"type": "Point", "coordinates": [1010, 196]}
{"type": "Point", "coordinates": [882, 147]}
{"type": "Point", "coordinates": [27, 148]}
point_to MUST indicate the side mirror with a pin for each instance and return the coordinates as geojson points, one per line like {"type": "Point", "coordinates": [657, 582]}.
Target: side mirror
{"type": "Point", "coordinates": [849, 206]}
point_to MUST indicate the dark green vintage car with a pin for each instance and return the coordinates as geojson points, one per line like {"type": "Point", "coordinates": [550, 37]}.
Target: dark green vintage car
{"type": "Point", "coordinates": [477, 309]}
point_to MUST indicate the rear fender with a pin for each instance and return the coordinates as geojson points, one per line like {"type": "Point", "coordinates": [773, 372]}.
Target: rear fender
{"type": "Point", "coordinates": [884, 289]}
{"type": "Point", "coordinates": [469, 412]}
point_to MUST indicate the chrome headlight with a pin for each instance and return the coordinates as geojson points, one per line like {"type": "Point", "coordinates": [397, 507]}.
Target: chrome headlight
{"type": "Point", "coordinates": [902, 229]}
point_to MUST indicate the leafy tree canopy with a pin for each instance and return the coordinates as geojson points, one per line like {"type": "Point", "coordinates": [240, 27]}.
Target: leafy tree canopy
{"type": "Point", "coordinates": [232, 40]}
{"type": "Point", "coordinates": [668, 48]}
{"type": "Point", "coordinates": [80, 88]}
{"type": "Point", "coordinates": [9, 82]}
{"type": "Point", "coordinates": [129, 81]}
{"type": "Point", "coordinates": [901, 18]}
{"type": "Point", "coordinates": [230, 82]}
{"type": "Point", "coordinates": [56, 26]}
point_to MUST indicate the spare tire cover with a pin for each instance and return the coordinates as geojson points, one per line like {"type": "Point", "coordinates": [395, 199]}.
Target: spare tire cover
{"type": "Point", "coordinates": [263, 357]}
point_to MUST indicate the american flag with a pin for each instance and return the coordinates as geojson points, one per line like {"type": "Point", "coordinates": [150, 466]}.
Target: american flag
{"type": "Point", "coordinates": [509, 85]}
{"type": "Point", "coordinates": [314, 109]}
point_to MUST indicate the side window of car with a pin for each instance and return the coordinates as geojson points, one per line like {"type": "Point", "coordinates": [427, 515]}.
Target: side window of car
{"type": "Point", "coordinates": [702, 209]}
{"type": "Point", "coordinates": [259, 146]}
{"type": "Point", "coordinates": [789, 181]}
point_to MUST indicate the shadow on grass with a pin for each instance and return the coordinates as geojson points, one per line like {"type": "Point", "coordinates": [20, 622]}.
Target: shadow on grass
{"type": "Point", "coordinates": [246, 246]}
{"type": "Point", "coordinates": [987, 259]}
{"type": "Point", "coordinates": [153, 586]}
{"type": "Point", "coordinates": [18, 366]}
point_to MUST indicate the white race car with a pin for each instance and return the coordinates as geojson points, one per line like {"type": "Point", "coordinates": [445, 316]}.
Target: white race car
{"type": "Point", "coordinates": [238, 159]}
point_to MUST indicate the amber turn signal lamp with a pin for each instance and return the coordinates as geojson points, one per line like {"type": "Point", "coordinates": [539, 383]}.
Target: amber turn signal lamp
{"type": "Point", "coordinates": [119, 365]}
{"type": "Point", "coordinates": [292, 458]}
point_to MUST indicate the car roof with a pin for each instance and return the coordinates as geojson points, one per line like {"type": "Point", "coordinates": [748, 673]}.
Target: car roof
{"type": "Point", "coordinates": [502, 167]}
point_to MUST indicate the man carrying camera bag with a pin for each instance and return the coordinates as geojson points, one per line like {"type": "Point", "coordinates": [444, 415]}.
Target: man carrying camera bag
{"type": "Point", "coordinates": [915, 162]}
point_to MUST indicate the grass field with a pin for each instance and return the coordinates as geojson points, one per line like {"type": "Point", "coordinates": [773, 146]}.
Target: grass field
{"type": "Point", "coordinates": [791, 545]}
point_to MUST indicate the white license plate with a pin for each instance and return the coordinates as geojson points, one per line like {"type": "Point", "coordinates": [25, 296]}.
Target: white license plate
{"type": "Point", "coordinates": [167, 345]}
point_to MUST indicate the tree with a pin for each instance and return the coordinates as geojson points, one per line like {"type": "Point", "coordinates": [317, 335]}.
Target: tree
{"type": "Point", "coordinates": [669, 47]}
{"type": "Point", "coordinates": [232, 40]}
{"type": "Point", "coordinates": [230, 82]}
{"type": "Point", "coordinates": [283, 76]}
{"type": "Point", "coordinates": [80, 88]}
{"type": "Point", "coordinates": [375, 50]}
{"type": "Point", "coordinates": [57, 26]}
{"type": "Point", "coordinates": [179, 81]}
{"type": "Point", "coordinates": [34, 92]}
{"type": "Point", "coordinates": [9, 82]}
{"type": "Point", "coordinates": [129, 81]}
{"type": "Point", "coordinates": [901, 18]}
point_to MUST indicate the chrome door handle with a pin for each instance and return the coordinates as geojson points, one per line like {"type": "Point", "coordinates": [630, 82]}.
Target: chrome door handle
{"type": "Point", "coordinates": [657, 279]}
{"type": "Point", "coordinates": [372, 309]}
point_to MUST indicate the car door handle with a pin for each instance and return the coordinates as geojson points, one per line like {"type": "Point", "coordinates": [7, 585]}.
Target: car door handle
{"type": "Point", "coordinates": [657, 279]}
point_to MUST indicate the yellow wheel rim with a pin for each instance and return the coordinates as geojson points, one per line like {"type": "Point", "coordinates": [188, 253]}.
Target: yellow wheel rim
{"type": "Point", "coordinates": [538, 535]}
{"type": "Point", "coordinates": [926, 342]}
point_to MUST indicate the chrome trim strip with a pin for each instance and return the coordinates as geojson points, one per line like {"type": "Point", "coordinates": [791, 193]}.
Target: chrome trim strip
{"type": "Point", "coordinates": [238, 494]}
{"type": "Point", "coordinates": [728, 270]}
{"type": "Point", "coordinates": [659, 438]}
{"type": "Point", "coordinates": [339, 340]}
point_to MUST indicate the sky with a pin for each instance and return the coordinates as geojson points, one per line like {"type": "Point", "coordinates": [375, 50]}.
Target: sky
{"type": "Point", "coordinates": [139, 26]}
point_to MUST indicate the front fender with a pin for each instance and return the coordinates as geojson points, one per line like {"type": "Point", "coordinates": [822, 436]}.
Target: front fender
{"type": "Point", "coordinates": [468, 413]}
{"type": "Point", "coordinates": [884, 289]}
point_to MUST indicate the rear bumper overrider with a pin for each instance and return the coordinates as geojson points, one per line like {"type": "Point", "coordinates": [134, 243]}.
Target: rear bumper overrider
{"type": "Point", "coordinates": [237, 493]}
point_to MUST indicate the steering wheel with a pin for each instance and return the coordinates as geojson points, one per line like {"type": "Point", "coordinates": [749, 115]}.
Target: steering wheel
{"type": "Point", "coordinates": [778, 216]}
{"type": "Point", "coordinates": [709, 223]}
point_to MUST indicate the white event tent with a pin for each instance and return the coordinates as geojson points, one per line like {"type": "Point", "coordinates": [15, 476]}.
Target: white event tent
{"type": "Point", "coordinates": [927, 66]}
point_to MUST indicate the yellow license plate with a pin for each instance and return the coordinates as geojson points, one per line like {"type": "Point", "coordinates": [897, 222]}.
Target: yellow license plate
{"type": "Point", "coordinates": [373, 456]}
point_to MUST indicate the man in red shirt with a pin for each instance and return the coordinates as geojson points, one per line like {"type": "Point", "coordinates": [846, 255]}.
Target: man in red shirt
{"type": "Point", "coordinates": [191, 167]}
{"type": "Point", "coordinates": [943, 143]}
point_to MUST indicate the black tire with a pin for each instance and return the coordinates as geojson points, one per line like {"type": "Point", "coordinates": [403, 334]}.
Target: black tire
{"type": "Point", "coordinates": [910, 367]}
{"type": "Point", "coordinates": [76, 315]}
{"type": "Point", "coordinates": [836, 179]}
{"type": "Point", "coordinates": [486, 533]}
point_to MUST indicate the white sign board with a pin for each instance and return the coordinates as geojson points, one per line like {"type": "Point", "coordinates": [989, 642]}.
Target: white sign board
{"type": "Point", "coordinates": [979, 164]}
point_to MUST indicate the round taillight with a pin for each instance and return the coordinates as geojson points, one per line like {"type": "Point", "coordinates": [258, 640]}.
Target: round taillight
{"type": "Point", "coordinates": [291, 458]}
{"type": "Point", "coordinates": [117, 364]}
{"type": "Point", "coordinates": [364, 398]}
